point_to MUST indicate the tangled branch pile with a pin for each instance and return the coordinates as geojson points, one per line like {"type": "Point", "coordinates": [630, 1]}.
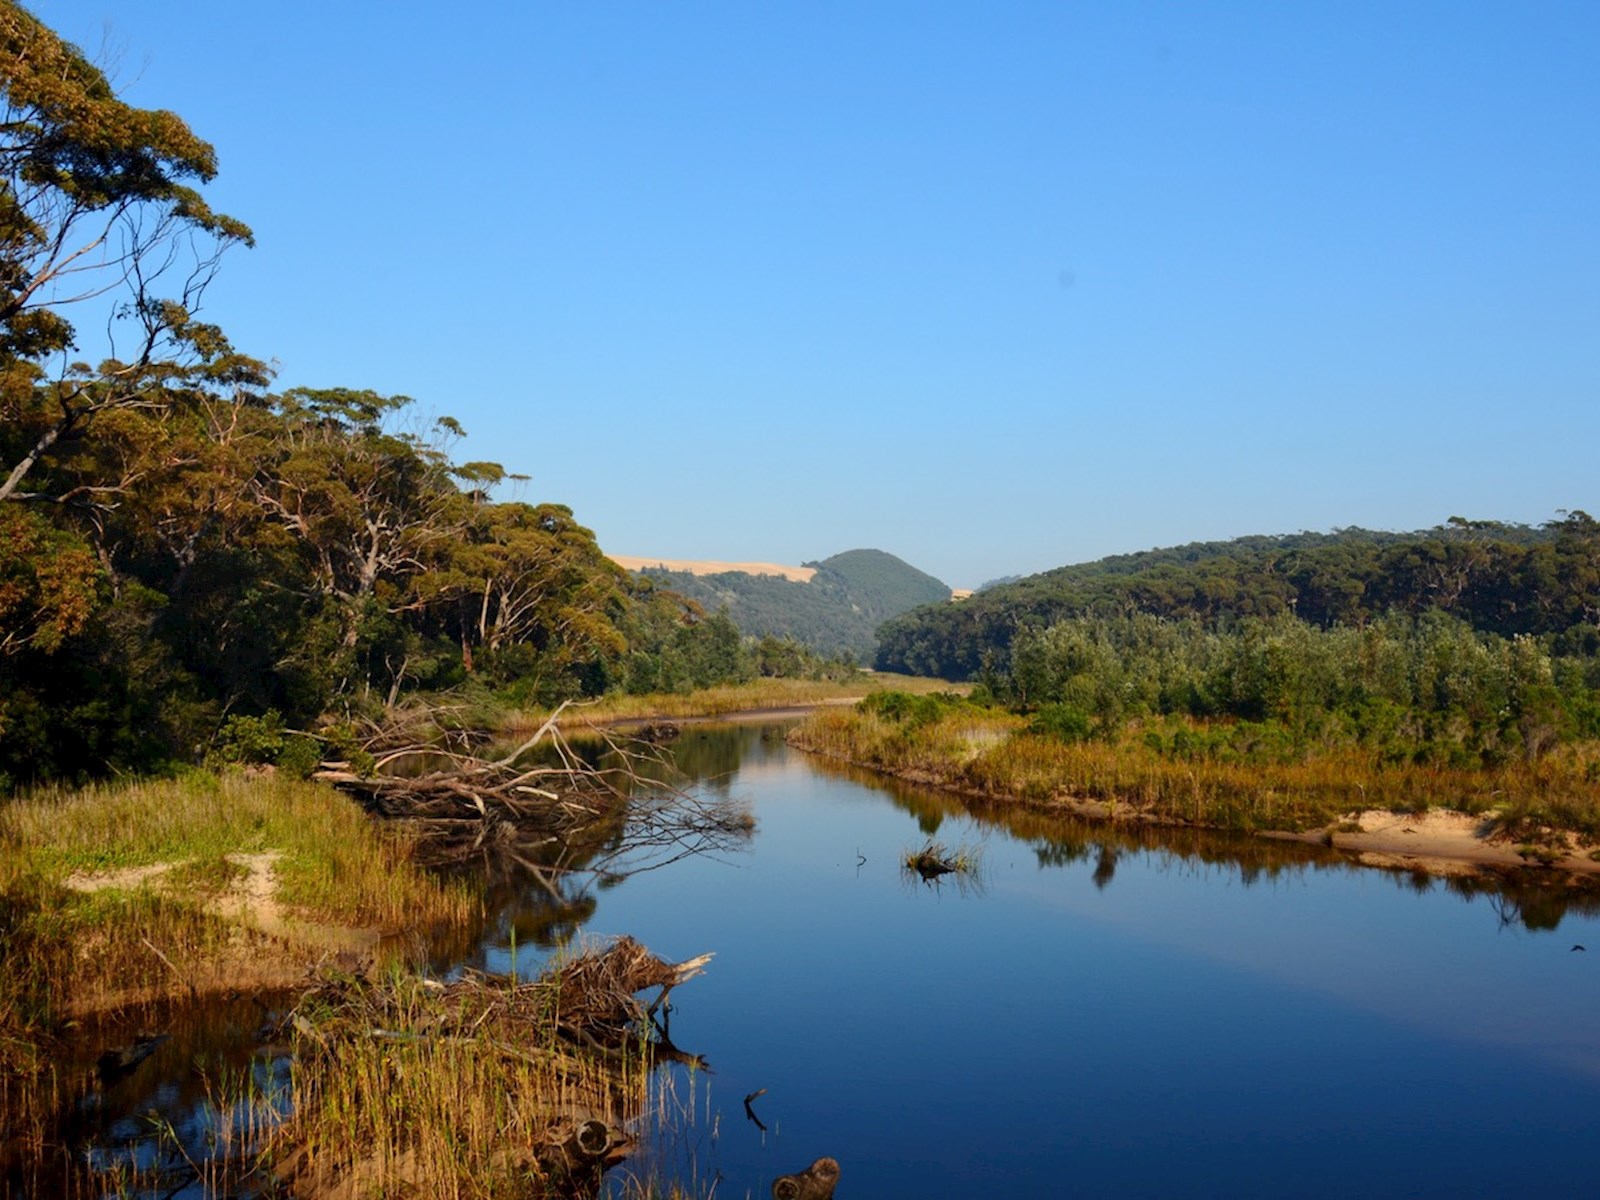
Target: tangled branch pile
{"type": "Point", "coordinates": [405, 1085]}
{"type": "Point", "coordinates": [544, 814]}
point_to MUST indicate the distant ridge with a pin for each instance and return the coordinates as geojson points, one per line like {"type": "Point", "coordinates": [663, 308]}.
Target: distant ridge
{"type": "Point", "coordinates": [834, 606]}
{"type": "Point", "coordinates": [695, 566]}
{"type": "Point", "coordinates": [1501, 578]}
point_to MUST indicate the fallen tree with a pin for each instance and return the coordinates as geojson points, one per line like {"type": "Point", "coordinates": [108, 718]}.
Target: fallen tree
{"type": "Point", "coordinates": [543, 808]}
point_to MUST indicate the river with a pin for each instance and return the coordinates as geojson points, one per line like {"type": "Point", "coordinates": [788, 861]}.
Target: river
{"type": "Point", "coordinates": [1092, 1012]}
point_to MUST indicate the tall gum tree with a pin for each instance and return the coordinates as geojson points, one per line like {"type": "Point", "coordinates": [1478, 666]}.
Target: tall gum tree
{"type": "Point", "coordinates": [97, 200]}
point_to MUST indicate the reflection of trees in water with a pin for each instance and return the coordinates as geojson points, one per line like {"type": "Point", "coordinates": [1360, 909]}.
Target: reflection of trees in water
{"type": "Point", "coordinates": [1529, 898]}
{"type": "Point", "coordinates": [1105, 867]}
{"type": "Point", "coordinates": [541, 889]}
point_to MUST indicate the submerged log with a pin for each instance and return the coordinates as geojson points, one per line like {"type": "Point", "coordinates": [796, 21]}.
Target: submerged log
{"type": "Point", "coordinates": [814, 1183]}
{"type": "Point", "coordinates": [121, 1061]}
{"type": "Point", "coordinates": [657, 732]}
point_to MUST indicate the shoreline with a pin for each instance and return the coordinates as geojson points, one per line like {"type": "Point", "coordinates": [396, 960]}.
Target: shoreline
{"type": "Point", "coordinates": [737, 716]}
{"type": "Point", "coordinates": [1439, 842]}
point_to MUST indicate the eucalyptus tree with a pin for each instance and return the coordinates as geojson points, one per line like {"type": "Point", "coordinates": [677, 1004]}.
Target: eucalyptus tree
{"type": "Point", "coordinates": [97, 202]}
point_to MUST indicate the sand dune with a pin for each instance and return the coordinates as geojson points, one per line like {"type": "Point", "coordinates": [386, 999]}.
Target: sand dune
{"type": "Point", "coordinates": [695, 566]}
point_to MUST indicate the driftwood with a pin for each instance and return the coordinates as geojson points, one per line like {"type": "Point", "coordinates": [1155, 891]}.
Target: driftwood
{"type": "Point", "coordinates": [545, 816]}
{"type": "Point", "coordinates": [464, 785]}
{"type": "Point", "coordinates": [582, 1024]}
{"type": "Point", "coordinates": [814, 1183]}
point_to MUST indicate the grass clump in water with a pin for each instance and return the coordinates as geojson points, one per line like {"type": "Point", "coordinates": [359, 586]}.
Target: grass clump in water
{"type": "Point", "coordinates": [935, 859]}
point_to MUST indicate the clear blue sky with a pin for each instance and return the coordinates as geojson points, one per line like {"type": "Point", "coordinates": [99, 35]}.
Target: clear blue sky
{"type": "Point", "coordinates": [992, 286]}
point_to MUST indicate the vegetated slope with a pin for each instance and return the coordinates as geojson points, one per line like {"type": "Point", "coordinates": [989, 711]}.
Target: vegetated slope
{"type": "Point", "coordinates": [880, 584]}
{"type": "Point", "coordinates": [1506, 579]}
{"type": "Point", "coordinates": [836, 613]}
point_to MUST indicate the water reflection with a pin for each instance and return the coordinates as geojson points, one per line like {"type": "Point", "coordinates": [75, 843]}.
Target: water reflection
{"type": "Point", "coordinates": [673, 802]}
{"type": "Point", "coordinates": [1527, 898]}
{"type": "Point", "coordinates": [1036, 928]}
{"type": "Point", "coordinates": [180, 1118]}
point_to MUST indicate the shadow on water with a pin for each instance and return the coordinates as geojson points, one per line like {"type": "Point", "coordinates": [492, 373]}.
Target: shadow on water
{"type": "Point", "coordinates": [174, 1119]}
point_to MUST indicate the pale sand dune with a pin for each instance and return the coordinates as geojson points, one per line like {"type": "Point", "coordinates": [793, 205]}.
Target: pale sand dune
{"type": "Point", "coordinates": [633, 562]}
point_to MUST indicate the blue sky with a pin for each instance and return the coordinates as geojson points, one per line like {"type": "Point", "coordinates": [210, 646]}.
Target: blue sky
{"type": "Point", "coordinates": [995, 287]}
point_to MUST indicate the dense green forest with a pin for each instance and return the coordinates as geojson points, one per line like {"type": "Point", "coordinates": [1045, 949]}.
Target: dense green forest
{"type": "Point", "coordinates": [1498, 579]}
{"type": "Point", "coordinates": [1468, 645]}
{"type": "Point", "coordinates": [834, 614]}
{"type": "Point", "coordinates": [185, 552]}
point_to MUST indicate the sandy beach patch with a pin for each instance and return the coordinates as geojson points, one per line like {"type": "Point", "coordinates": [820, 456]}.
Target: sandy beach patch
{"type": "Point", "coordinates": [251, 901]}
{"type": "Point", "coordinates": [1443, 842]}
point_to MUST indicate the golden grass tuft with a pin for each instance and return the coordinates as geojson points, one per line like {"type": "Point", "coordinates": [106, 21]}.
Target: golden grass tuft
{"type": "Point", "coordinates": [141, 935]}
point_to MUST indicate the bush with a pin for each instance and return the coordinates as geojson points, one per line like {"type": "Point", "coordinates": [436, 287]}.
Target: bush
{"type": "Point", "coordinates": [1063, 722]}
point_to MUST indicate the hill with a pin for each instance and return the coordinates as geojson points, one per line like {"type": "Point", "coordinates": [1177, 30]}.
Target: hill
{"type": "Point", "coordinates": [1505, 579]}
{"type": "Point", "coordinates": [836, 612]}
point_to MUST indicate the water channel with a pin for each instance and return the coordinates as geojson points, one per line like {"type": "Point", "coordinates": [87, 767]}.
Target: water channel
{"type": "Point", "coordinates": [1094, 1012]}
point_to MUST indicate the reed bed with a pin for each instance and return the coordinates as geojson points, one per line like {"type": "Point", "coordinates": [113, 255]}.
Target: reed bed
{"type": "Point", "coordinates": [488, 1086]}
{"type": "Point", "coordinates": [724, 699]}
{"type": "Point", "coordinates": [994, 754]}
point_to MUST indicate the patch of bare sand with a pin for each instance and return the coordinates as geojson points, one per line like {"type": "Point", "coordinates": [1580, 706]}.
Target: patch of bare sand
{"type": "Point", "coordinates": [698, 566]}
{"type": "Point", "coordinates": [273, 948]}
{"type": "Point", "coordinates": [127, 879]}
{"type": "Point", "coordinates": [1444, 842]}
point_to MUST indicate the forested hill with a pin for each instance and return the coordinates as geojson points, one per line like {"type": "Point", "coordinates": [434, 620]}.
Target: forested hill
{"type": "Point", "coordinates": [835, 613]}
{"type": "Point", "coordinates": [1506, 579]}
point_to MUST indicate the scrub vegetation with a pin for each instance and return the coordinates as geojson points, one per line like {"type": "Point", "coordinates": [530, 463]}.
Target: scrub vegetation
{"type": "Point", "coordinates": [1272, 682]}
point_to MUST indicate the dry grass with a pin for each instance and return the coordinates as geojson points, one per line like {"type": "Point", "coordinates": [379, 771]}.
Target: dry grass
{"type": "Point", "coordinates": [993, 755]}
{"type": "Point", "coordinates": [157, 933]}
{"type": "Point", "coordinates": [727, 698]}
{"type": "Point", "coordinates": [485, 1087]}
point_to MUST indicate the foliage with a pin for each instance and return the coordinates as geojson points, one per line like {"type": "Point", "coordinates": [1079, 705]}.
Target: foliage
{"type": "Point", "coordinates": [1227, 774]}
{"type": "Point", "coordinates": [1500, 579]}
{"type": "Point", "coordinates": [834, 614]}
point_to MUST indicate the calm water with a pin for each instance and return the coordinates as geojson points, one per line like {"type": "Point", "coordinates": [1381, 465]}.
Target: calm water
{"type": "Point", "coordinates": [1211, 1018]}
{"type": "Point", "coordinates": [1097, 1013]}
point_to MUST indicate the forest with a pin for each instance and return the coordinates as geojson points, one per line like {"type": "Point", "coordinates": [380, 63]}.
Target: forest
{"type": "Point", "coordinates": [188, 556]}
{"type": "Point", "coordinates": [1470, 645]}
{"type": "Point", "coordinates": [835, 614]}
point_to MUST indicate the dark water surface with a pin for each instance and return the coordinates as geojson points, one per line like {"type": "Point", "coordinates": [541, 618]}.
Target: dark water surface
{"type": "Point", "coordinates": [1098, 1012]}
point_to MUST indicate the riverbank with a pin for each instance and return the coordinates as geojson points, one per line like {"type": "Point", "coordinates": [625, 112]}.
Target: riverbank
{"type": "Point", "coordinates": [130, 911]}
{"type": "Point", "coordinates": [122, 893]}
{"type": "Point", "coordinates": [125, 908]}
{"type": "Point", "coordinates": [759, 699]}
{"type": "Point", "coordinates": [1398, 816]}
